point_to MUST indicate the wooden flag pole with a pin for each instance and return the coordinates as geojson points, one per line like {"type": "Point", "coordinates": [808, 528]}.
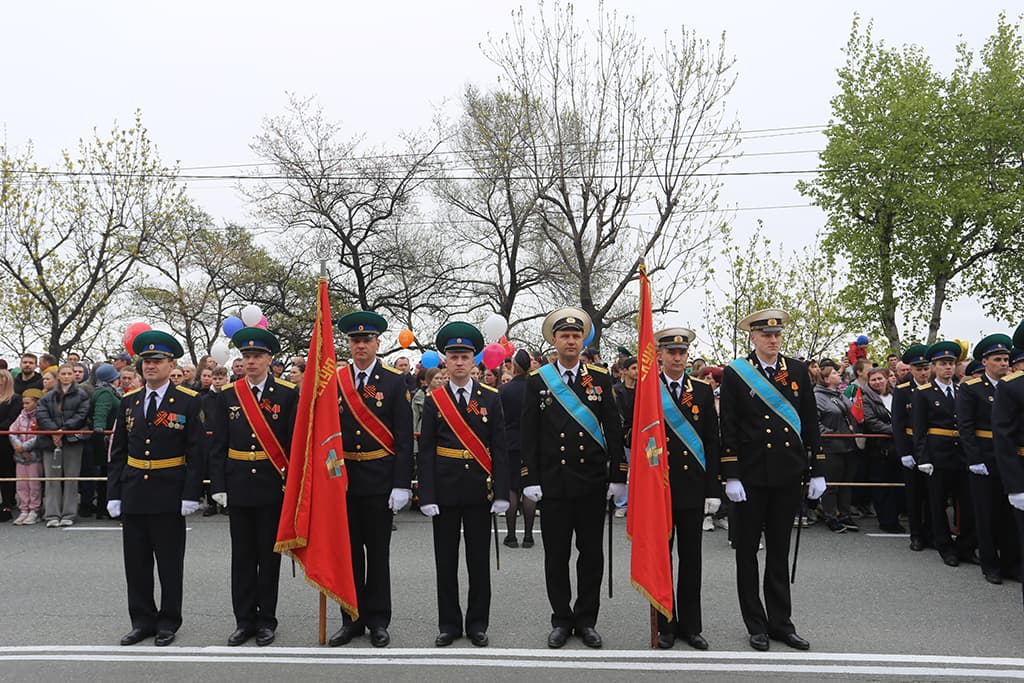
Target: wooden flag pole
{"type": "Point", "coordinates": [323, 618]}
{"type": "Point", "coordinates": [654, 628]}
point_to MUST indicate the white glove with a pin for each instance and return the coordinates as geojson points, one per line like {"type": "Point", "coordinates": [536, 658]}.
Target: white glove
{"type": "Point", "coordinates": [114, 508]}
{"type": "Point", "coordinates": [927, 468]}
{"type": "Point", "coordinates": [711, 505]}
{"type": "Point", "coordinates": [430, 510]}
{"type": "Point", "coordinates": [188, 507]}
{"type": "Point", "coordinates": [734, 490]}
{"type": "Point", "coordinates": [220, 499]}
{"type": "Point", "coordinates": [908, 462]}
{"type": "Point", "coordinates": [499, 506]}
{"type": "Point", "coordinates": [533, 493]}
{"type": "Point", "coordinates": [816, 487]}
{"type": "Point", "coordinates": [616, 490]}
{"type": "Point", "coordinates": [1016, 500]}
{"type": "Point", "coordinates": [398, 499]}
{"type": "Point", "coordinates": [979, 469]}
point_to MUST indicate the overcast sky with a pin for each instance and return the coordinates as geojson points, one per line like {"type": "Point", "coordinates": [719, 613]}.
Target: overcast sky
{"type": "Point", "coordinates": [205, 74]}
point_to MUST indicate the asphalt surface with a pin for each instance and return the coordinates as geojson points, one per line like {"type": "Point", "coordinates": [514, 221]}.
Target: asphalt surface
{"type": "Point", "coordinates": [872, 609]}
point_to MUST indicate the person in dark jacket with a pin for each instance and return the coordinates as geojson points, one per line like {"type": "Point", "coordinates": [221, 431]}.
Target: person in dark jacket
{"type": "Point", "coordinates": [512, 394]}
{"type": "Point", "coordinates": [625, 398]}
{"type": "Point", "coordinates": [10, 408]}
{"type": "Point", "coordinates": [842, 455]}
{"type": "Point", "coordinates": [67, 407]}
{"type": "Point", "coordinates": [882, 460]}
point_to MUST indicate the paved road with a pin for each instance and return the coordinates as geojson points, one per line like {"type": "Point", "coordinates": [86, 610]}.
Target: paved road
{"type": "Point", "coordinates": [871, 609]}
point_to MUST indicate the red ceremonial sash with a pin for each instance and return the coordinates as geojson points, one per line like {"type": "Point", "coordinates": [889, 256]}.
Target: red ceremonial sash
{"type": "Point", "coordinates": [364, 416]}
{"type": "Point", "coordinates": [450, 412]}
{"type": "Point", "coordinates": [260, 427]}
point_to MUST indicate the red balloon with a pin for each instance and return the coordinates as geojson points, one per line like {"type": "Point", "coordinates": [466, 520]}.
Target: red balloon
{"type": "Point", "coordinates": [510, 348]}
{"type": "Point", "coordinates": [133, 331]}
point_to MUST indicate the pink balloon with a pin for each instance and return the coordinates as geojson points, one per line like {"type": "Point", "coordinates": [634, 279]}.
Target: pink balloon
{"type": "Point", "coordinates": [263, 322]}
{"type": "Point", "coordinates": [494, 355]}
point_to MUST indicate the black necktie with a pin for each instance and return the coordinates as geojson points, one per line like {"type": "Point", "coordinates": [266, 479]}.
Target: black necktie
{"type": "Point", "coordinates": [151, 408]}
{"type": "Point", "coordinates": [362, 381]}
{"type": "Point", "coordinates": [770, 371]}
{"type": "Point", "coordinates": [675, 389]}
{"type": "Point", "coordinates": [949, 391]}
{"type": "Point", "coordinates": [568, 377]}
{"type": "Point", "coordinates": [256, 393]}
{"type": "Point", "coordinates": [462, 399]}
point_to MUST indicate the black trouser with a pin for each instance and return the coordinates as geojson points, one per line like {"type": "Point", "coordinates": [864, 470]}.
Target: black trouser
{"type": "Point", "coordinates": [885, 469]}
{"type": "Point", "coordinates": [919, 514]}
{"type": "Point", "coordinates": [255, 567]}
{"type": "Point", "coordinates": [87, 489]}
{"type": "Point", "coordinates": [474, 521]}
{"type": "Point", "coordinates": [840, 466]}
{"type": "Point", "coordinates": [369, 532]}
{"type": "Point", "coordinates": [771, 509]}
{"type": "Point", "coordinates": [7, 470]}
{"type": "Point", "coordinates": [686, 618]}
{"type": "Point", "coordinates": [584, 517]}
{"type": "Point", "coordinates": [145, 537]}
{"type": "Point", "coordinates": [998, 549]}
{"type": "Point", "coordinates": [944, 484]}
{"type": "Point", "coordinates": [1018, 518]}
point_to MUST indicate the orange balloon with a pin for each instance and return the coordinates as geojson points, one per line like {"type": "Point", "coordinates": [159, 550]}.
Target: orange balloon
{"type": "Point", "coordinates": [406, 338]}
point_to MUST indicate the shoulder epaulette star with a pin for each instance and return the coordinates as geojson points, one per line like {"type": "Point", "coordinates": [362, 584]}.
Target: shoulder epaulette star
{"type": "Point", "coordinates": [284, 382]}
{"type": "Point", "coordinates": [186, 390]}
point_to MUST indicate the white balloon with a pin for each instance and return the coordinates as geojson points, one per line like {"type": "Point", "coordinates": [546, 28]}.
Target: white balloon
{"type": "Point", "coordinates": [493, 327]}
{"type": "Point", "coordinates": [251, 315]}
{"type": "Point", "coordinates": [220, 351]}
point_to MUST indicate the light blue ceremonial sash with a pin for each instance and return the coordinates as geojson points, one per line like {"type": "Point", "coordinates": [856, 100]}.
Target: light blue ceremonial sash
{"type": "Point", "coordinates": [767, 392]}
{"type": "Point", "coordinates": [681, 426]}
{"type": "Point", "coordinates": [572, 403]}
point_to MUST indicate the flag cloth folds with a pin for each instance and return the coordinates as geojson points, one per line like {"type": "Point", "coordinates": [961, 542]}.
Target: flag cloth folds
{"type": "Point", "coordinates": [857, 409]}
{"type": "Point", "coordinates": [649, 523]}
{"type": "Point", "coordinates": [314, 517]}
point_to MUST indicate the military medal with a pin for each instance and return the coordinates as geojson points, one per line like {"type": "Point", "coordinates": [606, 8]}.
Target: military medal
{"type": "Point", "coordinates": [380, 399]}
{"type": "Point", "coordinates": [483, 414]}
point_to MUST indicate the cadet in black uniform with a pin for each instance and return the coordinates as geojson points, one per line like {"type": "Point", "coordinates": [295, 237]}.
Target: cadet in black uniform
{"type": "Point", "coordinates": [512, 394]}
{"type": "Point", "coordinates": [378, 456]}
{"type": "Point", "coordinates": [693, 479]}
{"type": "Point", "coordinates": [154, 480]}
{"type": "Point", "coordinates": [575, 461]}
{"type": "Point", "coordinates": [246, 472]}
{"type": "Point", "coordinates": [997, 539]}
{"type": "Point", "coordinates": [939, 455]}
{"type": "Point", "coordinates": [1008, 439]}
{"type": "Point", "coordinates": [460, 488]}
{"type": "Point", "coordinates": [919, 516]}
{"type": "Point", "coordinates": [764, 460]}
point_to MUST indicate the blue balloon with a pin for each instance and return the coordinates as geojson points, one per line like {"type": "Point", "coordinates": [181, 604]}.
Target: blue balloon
{"type": "Point", "coordinates": [231, 325]}
{"type": "Point", "coordinates": [590, 337]}
{"type": "Point", "coordinates": [479, 358]}
{"type": "Point", "coordinates": [430, 359]}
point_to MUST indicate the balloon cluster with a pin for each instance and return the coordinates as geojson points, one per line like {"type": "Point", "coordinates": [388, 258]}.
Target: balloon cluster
{"type": "Point", "coordinates": [250, 316]}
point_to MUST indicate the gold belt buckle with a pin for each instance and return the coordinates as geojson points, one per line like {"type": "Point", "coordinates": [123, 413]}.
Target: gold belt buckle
{"type": "Point", "coordinates": [466, 455]}
{"type": "Point", "coordinates": [148, 465]}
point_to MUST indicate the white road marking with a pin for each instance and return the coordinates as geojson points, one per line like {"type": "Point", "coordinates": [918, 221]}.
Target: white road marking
{"type": "Point", "coordinates": [888, 535]}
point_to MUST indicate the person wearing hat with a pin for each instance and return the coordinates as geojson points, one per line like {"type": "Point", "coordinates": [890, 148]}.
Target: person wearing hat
{"type": "Point", "coordinates": [997, 539]}
{"type": "Point", "coordinates": [919, 516]}
{"type": "Point", "coordinates": [512, 394]}
{"type": "Point", "coordinates": [573, 458]}
{"type": "Point", "coordinates": [104, 411]}
{"type": "Point", "coordinates": [154, 479]}
{"type": "Point", "coordinates": [694, 454]}
{"type": "Point", "coordinates": [1016, 358]}
{"type": "Point", "coordinates": [1008, 440]}
{"type": "Point", "coordinates": [939, 454]}
{"type": "Point", "coordinates": [121, 360]}
{"type": "Point", "coordinates": [624, 392]}
{"type": "Point", "coordinates": [463, 477]}
{"type": "Point", "coordinates": [769, 427]}
{"type": "Point", "coordinates": [376, 434]}
{"type": "Point", "coordinates": [251, 434]}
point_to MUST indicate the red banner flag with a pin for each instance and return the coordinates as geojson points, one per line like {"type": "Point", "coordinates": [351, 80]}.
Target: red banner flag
{"type": "Point", "coordinates": [314, 517]}
{"type": "Point", "coordinates": [649, 523]}
{"type": "Point", "coordinates": [857, 409]}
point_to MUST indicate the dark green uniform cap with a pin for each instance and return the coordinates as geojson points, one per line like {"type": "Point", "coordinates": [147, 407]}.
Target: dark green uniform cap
{"type": "Point", "coordinates": [1016, 354]}
{"type": "Point", "coordinates": [974, 367]}
{"type": "Point", "coordinates": [915, 355]}
{"type": "Point", "coordinates": [943, 349]}
{"type": "Point", "coordinates": [459, 336]}
{"type": "Point", "coordinates": [362, 324]}
{"type": "Point", "coordinates": [256, 339]}
{"type": "Point", "coordinates": [1018, 336]}
{"type": "Point", "coordinates": [993, 343]}
{"type": "Point", "coordinates": [157, 344]}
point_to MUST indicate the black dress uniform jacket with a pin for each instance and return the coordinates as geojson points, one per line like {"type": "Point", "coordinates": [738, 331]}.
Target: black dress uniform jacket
{"type": "Point", "coordinates": [178, 431]}
{"type": "Point", "coordinates": [557, 453]}
{"type": "Point", "coordinates": [1008, 432]}
{"type": "Point", "coordinates": [974, 415]}
{"type": "Point", "coordinates": [933, 409]}
{"type": "Point", "coordinates": [902, 411]}
{"type": "Point", "coordinates": [690, 482]}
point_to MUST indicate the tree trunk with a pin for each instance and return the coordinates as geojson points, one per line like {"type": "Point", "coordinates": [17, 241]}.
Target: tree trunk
{"type": "Point", "coordinates": [938, 301]}
{"type": "Point", "coordinates": [885, 280]}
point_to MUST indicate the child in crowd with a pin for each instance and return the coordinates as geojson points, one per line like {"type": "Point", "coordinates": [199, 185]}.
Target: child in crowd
{"type": "Point", "coordinates": [28, 458]}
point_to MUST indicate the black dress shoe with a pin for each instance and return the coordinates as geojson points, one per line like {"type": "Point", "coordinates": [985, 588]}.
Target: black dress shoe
{"type": "Point", "coordinates": [916, 545]}
{"type": "Point", "coordinates": [950, 560]}
{"type": "Point", "coordinates": [265, 636]}
{"type": "Point", "coordinates": [444, 639]}
{"type": "Point", "coordinates": [511, 542]}
{"type": "Point", "coordinates": [479, 639]}
{"type": "Point", "coordinates": [794, 641]}
{"type": "Point", "coordinates": [994, 578]}
{"type": "Point", "coordinates": [666, 641]}
{"type": "Point", "coordinates": [379, 636]}
{"type": "Point", "coordinates": [558, 636]}
{"type": "Point", "coordinates": [135, 635]}
{"type": "Point", "coordinates": [345, 634]}
{"type": "Point", "coordinates": [696, 641]}
{"type": "Point", "coordinates": [240, 636]}
{"type": "Point", "coordinates": [527, 541]}
{"type": "Point", "coordinates": [759, 641]}
{"type": "Point", "coordinates": [590, 637]}
{"type": "Point", "coordinates": [163, 638]}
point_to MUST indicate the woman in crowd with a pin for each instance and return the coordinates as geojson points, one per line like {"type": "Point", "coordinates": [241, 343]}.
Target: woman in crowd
{"type": "Point", "coordinates": [841, 454]}
{"type": "Point", "coordinates": [296, 372]}
{"type": "Point", "coordinates": [105, 400]}
{"type": "Point", "coordinates": [66, 407]}
{"type": "Point", "coordinates": [177, 376]}
{"type": "Point", "coordinates": [883, 466]}
{"type": "Point", "coordinates": [28, 458]}
{"type": "Point", "coordinates": [205, 381]}
{"type": "Point", "coordinates": [49, 380]}
{"type": "Point", "coordinates": [10, 407]}
{"type": "Point", "coordinates": [490, 378]}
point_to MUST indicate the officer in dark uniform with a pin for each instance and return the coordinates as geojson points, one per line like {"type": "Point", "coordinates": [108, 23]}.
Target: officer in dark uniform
{"type": "Point", "coordinates": [380, 475]}
{"type": "Point", "coordinates": [246, 473]}
{"type": "Point", "coordinates": [764, 462]}
{"type": "Point", "coordinates": [1017, 358]}
{"type": "Point", "coordinates": [997, 539]}
{"type": "Point", "coordinates": [565, 463]}
{"type": "Point", "coordinates": [456, 489]}
{"type": "Point", "coordinates": [695, 485]}
{"type": "Point", "coordinates": [919, 516]}
{"type": "Point", "coordinates": [939, 454]}
{"type": "Point", "coordinates": [154, 480]}
{"type": "Point", "coordinates": [512, 394]}
{"type": "Point", "coordinates": [1008, 439]}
